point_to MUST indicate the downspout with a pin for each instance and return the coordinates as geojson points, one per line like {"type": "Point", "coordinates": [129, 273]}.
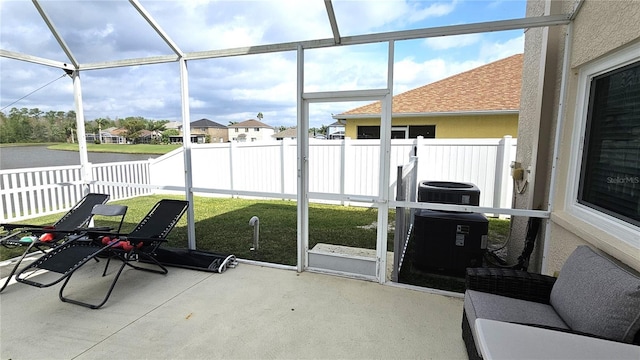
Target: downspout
{"type": "Point", "coordinates": [556, 146]}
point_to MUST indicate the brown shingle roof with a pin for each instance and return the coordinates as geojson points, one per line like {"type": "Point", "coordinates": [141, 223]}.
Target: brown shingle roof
{"type": "Point", "coordinates": [494, 86]}
{"type": "Point", "coordinates": [287, 133]}
{"type": "Point", "coordinates": [250, 124]}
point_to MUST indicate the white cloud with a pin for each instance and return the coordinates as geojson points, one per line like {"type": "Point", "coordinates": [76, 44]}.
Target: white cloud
{"type": "Point", "coordinates": [434, 10]}
{"type": "Point", "coordinates": [498, 50]}
{"type": "Point", "coordinates": [410, 74]}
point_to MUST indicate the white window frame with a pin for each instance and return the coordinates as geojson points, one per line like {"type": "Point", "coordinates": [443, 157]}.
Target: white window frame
{"type": "Point", "coordinates": [405, 129]}
{"type": "Point", "coordinates": [622, 230]}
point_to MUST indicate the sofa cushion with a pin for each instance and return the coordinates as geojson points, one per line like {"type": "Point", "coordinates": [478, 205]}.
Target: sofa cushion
{"type": "Point", "coordinates": [595, 295]}
{"type": "Point", "coordinates": [495, 307]}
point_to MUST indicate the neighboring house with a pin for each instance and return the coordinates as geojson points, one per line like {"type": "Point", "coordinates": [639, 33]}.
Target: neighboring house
{"type": "Point", "coordinates": [147, 137]}
{"type": "Point", "coordinates": [110, 135]}
{"type": "Point", "coordinates": [173, 125]}
{"type": "Point", "coordinates": [195, 139]}
{"type": "Point", "coordinates": [290, 133]}
{"type": "Point", "coordinates": [205, 130]}
{"type": "Point", "coordinates": [250, 130]}
{"type": "Point", "coordinates": [335, 131]}
{"type": "Point", "coordinates": [479, 103]}
{"type": "Point", "coordinates": [594, 177]}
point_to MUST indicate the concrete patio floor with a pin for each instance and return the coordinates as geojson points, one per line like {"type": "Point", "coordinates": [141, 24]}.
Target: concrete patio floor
{"type": "Point", "coordinates": [250, 312]}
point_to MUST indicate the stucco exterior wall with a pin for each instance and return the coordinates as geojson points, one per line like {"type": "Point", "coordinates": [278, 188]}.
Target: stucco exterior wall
{"type": "Point", "coordinates": [479, 126]}
{"type": "Point", "coordinates": [603, 26]}
{"type": "Point", "coordinates": [600, 28]}
{"type": "Point", "coordinates": [538, 113]}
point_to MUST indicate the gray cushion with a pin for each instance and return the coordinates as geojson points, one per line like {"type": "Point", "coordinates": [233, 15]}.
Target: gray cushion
{"type": "Point", "coordinates": [597, 296]}
{"type": "Point", "coordinates": [495, 307]}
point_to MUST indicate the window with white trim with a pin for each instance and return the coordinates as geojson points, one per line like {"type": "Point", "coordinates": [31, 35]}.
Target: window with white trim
{"type": "Point", "coordinates": [606, 159]}
{"type": "Point", "coordinates": [610, 174]}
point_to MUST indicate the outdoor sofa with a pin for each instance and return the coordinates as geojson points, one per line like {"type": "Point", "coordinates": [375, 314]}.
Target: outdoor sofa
{"type": "Point", "coordinates": [593, 296]}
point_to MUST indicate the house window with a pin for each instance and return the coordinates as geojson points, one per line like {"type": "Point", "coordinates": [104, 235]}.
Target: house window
{"type": "Point", "coordinates": [237, 130]}
{"type": "Point", "coordinates": [368, 132]}
{"type": "Point", "coordinates": [605, 160]}
{"type": "Point", "coordinates": [610, 174]}
{"type": "Point", "coordinates": [246, 129]}
{"type": "Point", "coordinates": [398, 132]}
{"type": "Point", "coordinates": [426, 131]}
{"type": "Point", "coordinates": [256, 129]}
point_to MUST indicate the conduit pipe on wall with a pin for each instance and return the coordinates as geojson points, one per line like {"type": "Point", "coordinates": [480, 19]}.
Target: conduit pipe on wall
{"type": "Point", "coordinates": [556, 146]}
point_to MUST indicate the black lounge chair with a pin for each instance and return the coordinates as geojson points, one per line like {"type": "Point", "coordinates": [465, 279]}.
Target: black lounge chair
{"type": "Point", "coordinates": [43, 237]}
{"type": "Point", "coordinates": [139, 244]}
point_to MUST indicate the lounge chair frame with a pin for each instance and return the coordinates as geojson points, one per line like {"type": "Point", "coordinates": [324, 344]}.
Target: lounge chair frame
{"type": "Point", "coordinates": [70, 256]}
{"type": "Point", "coordinates": [73, 220]}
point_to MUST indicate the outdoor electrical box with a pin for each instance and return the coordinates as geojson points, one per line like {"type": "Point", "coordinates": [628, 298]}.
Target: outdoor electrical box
{"type": "Point", "coordinates": [449, 241]}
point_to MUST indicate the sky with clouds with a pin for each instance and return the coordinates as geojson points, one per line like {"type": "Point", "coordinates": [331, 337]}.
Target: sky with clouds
{"type": "Point", "coordinates": [237, 88]}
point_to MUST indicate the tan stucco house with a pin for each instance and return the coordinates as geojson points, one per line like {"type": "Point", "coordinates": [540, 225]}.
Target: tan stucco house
{"type": "Point", "coordinates": [208, 131]}
{"type": "Point", "coordinates": [479, 103]}
{"type": "Point", "coordinates": [581, 101]}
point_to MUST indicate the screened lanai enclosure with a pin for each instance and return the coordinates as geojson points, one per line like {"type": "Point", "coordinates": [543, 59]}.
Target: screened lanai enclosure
{"type": "Point", "coordinates": [189, 60]}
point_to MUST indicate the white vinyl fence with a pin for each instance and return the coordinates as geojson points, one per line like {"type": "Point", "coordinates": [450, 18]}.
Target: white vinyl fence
{"type": "Point", "coordinates": [33, 192]}
{"type": "Point", "coordinates": [344, 168]}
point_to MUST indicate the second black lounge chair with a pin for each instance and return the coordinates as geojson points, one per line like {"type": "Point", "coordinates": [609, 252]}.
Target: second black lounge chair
{"type": "Point", "coordinates": [139, 244]}
{"type": "Point", "coordinates": [45, 237]}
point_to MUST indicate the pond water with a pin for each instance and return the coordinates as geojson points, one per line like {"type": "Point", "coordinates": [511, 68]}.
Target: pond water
{"type": "Point", "coordinates": [21, 157]}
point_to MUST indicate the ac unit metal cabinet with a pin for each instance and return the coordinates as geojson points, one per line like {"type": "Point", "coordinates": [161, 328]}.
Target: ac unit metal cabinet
{"type": "Point", "coordinates": [449, 241]}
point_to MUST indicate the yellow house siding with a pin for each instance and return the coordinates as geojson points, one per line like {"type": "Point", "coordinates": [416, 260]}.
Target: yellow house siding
{"type": "Point", "coordinates": [465, 126]}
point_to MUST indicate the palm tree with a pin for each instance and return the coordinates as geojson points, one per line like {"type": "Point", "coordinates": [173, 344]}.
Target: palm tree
{"type": "Point", "coordinates": [101, 122]}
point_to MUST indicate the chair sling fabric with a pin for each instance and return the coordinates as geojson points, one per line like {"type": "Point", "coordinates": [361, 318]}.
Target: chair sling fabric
{"type": "Point", "coordinates": [129, 248]}
{"type": "Point", "coordinates": [49, 236]}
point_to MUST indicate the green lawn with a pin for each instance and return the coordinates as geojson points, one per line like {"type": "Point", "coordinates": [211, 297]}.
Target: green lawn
{"type": "Point", "coordinates": [120, 148]}
{"type": "Point", "coordinates": [222, 225]}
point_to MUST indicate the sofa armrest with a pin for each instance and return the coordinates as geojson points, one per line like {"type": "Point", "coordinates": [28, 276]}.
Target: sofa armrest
{"type": "Point", "coordinates": [511, 283]}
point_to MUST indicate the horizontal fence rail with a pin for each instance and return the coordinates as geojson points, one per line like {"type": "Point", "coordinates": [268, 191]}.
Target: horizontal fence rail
{"type": "Point", "coordinates": [341, 171]}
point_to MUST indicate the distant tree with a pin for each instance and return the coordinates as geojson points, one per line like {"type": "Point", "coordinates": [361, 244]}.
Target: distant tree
{"type": "Point", "coordinates": [260, 116]}
{"type": "Point", "coordinates": [157, 125]}
{"type": "Point", "coordinates": [167, 133]}
{"type": "Point", "coordinates": [70, 129]}
{"type": "Point", "coordinates": [133, 125]}
{"type": "Point", "coordinates": [232, 122]}
{"type": "Point", "coordinates": [318, 131]}
{"type": "Point", "coordinates": [100, 122]}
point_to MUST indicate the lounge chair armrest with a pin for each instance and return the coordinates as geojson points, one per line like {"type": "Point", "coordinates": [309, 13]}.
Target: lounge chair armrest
{"type": "Point", "coordinates": [511, 283]}
{"type": "Point", "coordinates": [99, 230]}
{"type": "Point", "coordinates": [144, 240]}
{"type": "Point", "coordinates": [10, 227]}
{"type": "Point", "coordinates": [575, 332]}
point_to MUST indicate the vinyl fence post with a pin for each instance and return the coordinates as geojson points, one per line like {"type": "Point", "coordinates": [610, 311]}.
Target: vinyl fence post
{"type": "Point", "coordinates": [500, 188]}
{"type": "Point", "coordinates": [232, 146]}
